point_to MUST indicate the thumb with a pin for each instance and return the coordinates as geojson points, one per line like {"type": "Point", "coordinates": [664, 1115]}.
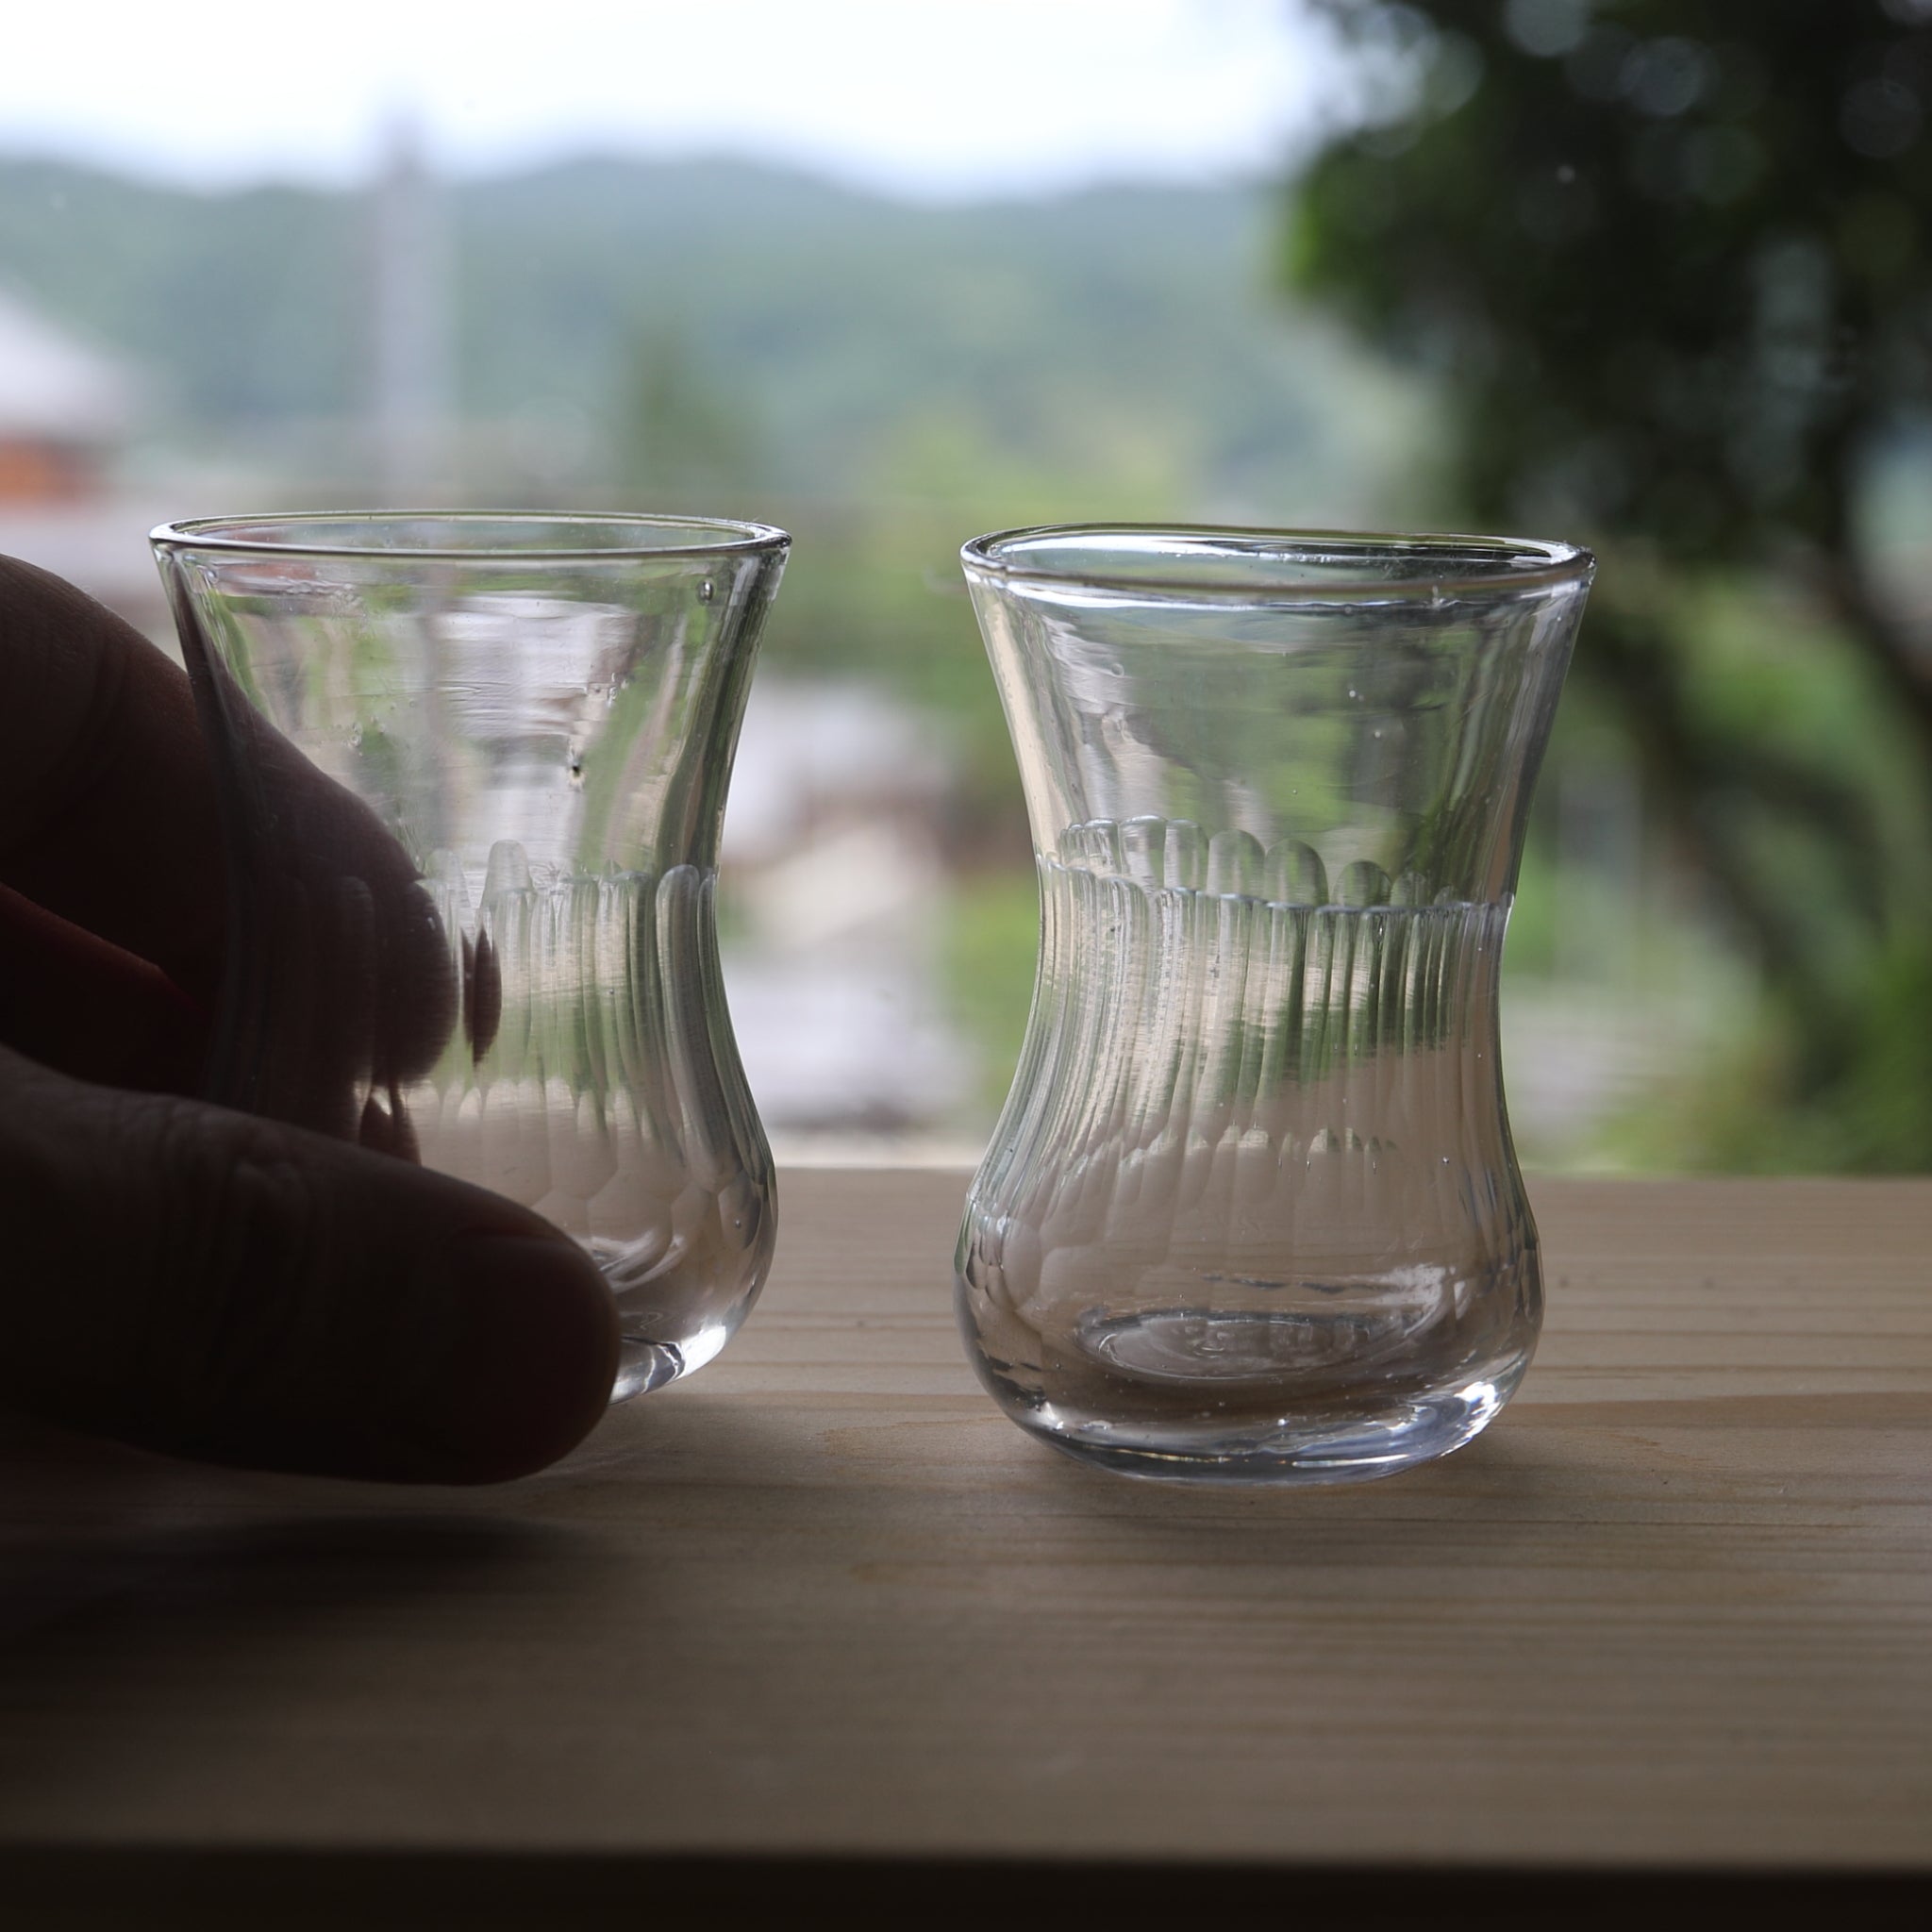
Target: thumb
{"type": "Point", "coordinates": [226, 1287]}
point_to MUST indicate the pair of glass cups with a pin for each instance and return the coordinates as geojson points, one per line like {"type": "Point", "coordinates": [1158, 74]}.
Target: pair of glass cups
{"type": "Point", "coordinates": [1251, 1212]}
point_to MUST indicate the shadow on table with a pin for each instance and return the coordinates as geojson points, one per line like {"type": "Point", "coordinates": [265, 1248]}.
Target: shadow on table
{"type": "Point", "coordinates": [138, 1594]}
{"type": "Point", "coordinates": [68, 1892]}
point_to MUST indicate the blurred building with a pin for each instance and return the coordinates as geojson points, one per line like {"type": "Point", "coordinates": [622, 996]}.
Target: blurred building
{"type": "Point", "coordinates": [64, 412]}
{"type": "Point", "coordinates": [834, 898]}
{"type": "Point", "coordinates": [67, 414]}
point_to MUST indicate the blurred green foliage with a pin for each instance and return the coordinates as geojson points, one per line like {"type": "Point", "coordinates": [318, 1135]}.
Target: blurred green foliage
{"type": "Point", "coordinates": [679, 431]}
{"type": "Point", "coordinates": [1670, 264]}
{"type": "Point", "coordinates": [235, 306]}
{"type": "Point", "coordinates": [993, 925]}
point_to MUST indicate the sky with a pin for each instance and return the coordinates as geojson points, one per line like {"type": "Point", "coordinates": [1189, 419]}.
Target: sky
{"type": "Point", "coordinates": [926, 99]}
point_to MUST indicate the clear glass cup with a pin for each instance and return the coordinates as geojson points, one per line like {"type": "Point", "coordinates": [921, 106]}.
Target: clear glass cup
{"type": "Point", "coordinates": [1252, 1213]}
{"type": "Point", "coordinates": [472, 770]}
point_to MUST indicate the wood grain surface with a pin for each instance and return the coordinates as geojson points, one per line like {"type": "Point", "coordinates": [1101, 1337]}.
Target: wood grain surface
{"type": "Point", "coordinates": [1673, 1611]}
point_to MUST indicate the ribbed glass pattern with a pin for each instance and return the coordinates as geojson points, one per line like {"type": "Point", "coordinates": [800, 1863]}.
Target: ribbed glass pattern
{"type": "Point", "coordinates": [588, 1081]}
{"type": "Point", "coordinates": [1249, 1138]}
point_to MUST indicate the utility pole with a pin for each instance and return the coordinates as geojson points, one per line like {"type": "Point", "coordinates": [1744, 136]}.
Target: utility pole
{"type": "Point", "coordinates": [410, 322]}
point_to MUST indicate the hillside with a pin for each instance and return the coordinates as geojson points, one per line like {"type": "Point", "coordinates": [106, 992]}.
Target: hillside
{"type": "Point", "coordinates": [815, 338]}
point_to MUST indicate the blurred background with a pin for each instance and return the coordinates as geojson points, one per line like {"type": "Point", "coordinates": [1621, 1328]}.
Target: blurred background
{"type": "Point", "coordinates": [1653, 273]}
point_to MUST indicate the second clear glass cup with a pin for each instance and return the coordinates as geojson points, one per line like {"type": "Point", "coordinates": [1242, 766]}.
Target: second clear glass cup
{"type": "Point", "coordinates": [1252, 1211]}
{"type": "Point", "coordinates": [472, 771]}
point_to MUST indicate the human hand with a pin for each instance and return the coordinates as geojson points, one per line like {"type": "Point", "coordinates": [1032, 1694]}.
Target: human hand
{"type": "Point", "coordinates": [192, 1279]}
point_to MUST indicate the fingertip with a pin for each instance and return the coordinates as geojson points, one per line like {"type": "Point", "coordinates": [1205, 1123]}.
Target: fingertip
{"type": "Point", "coordinates": [267, 1298]}
{"type": "Point", "coordinates": [532, 1360]}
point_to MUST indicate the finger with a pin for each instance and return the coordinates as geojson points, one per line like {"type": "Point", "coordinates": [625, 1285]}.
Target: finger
{"type": "Point", "coordinates": [108, 820]}
{"type": "Point", "coordinates": [340, 986]}
{"type": "Point", "coordinates": [341, 976]}
{"type": "Point", "coordinates": [263, 1296]}
{"type": "Point", "coordinates": [107, 799]}
{"type": "Point", "coordinates": [73, 1001]}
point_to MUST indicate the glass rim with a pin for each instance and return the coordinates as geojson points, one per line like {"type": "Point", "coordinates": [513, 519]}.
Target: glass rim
{"type": "Point", "coordinates": [730, 536]}
{"type": "Point", "coordinates": [1522, 563]}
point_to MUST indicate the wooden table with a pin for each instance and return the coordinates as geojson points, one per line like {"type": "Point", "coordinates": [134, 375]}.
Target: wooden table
{"type": "Point", "coordinates": [822, 1623]}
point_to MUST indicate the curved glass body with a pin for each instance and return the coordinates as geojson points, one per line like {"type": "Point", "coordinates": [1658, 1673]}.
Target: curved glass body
{"type": "Point", "coordinates": [471, 769]}
{"type": "Point", "coordinates": [1252, 1210]}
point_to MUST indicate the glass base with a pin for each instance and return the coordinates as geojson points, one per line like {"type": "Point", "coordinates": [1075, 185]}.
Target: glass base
{"type": "Point", "coordinates": [644, 1364]}
{"type": "Point", "coordinates": [1287, 1451]}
